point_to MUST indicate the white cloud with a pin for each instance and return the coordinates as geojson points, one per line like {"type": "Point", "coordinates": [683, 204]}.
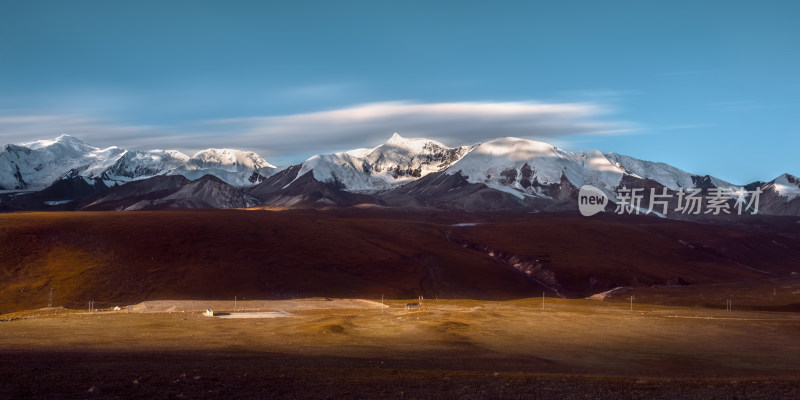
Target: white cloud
{"type": "Point", "coordinates": [103, 133]}
{"type": "Point", "coordinates": [25, 128]}
{"type": "Point", "coordinates": [302, 135]}
{"type": "Point", "coordinates": [451, 123]}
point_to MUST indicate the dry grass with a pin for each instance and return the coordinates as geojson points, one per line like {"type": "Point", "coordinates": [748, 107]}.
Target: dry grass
{"type": "Point", "coordinates": [466, 344]}
{"type": "Point", "coordinates": [768, 294]}
{"type": "Point", "coordinates": [499, 346]}
{"type": "Point", "coordinates": [568, 335]}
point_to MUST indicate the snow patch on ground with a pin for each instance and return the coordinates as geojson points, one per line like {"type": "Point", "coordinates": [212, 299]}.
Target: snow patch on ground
{"type": "Point", "coordinates": [604, 295]}
{"type": "Point", "coordinates": [56, 202]}
{"type": "Point", "coordinates": [510, 190]}
{"type": "Point", "coordinates": [254, 314]}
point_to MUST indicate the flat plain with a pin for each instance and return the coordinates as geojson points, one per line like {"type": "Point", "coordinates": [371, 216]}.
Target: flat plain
{"type": "Point", "coordinates": [452, 348]}
{"type": "Point", "coordinates": [485, 331]}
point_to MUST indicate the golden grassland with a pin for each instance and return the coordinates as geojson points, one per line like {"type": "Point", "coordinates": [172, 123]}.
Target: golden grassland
{"type": "Point", "coordinates": [508, 348]}
{"type": "Point", "coordinates": [482, 334]}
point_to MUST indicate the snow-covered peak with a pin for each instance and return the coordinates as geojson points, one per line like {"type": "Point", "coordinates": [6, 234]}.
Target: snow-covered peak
{"type": "Point", "coordinates": [414, 145]}
{"type": "Point", "coordinates": [169, 154]}
{"type": "Point", "coordinates": [665, 174]}
{"type": "Point", "coordinates": [396, 139]}
{"type": "Point", "coordinates": [412, 154]}
{"type": "Point", "coordinates": [227, 159]}
{"type": "Point", "coordinates": [787, 185]}
{"type": "Point", "coordinates": [342, 168]}
{"type": "Point", "coordinates": [127, 165]}
{"type": "Point", "coordinates": [236, 167]}
{"type": "Point", "coordinates": [63, 147]}
{"type": "Point", "coordinates": [518, 163]}
{"type": "Point", "coordinates": [64, 141]}
{"type": "Point", "coordinates": [398, 161]}
{"type": "Point", "coordinates": [361, 153]}
{"type": "Point", "coordinates": [515, 149]}
{"type": "Point", "coordinates": [37, 164]}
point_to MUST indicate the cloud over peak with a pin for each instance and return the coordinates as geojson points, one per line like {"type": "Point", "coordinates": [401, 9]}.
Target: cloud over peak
{"type": "Point", "coordinates": [452, 123]}
{"type": "Point", "coordinates": [305, 134]}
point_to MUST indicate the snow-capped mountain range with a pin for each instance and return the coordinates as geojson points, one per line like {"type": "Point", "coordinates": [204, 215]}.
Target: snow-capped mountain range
{"type": "Point", "coordinates": [394, 163]}
{"type": "Point", "coordinates": [500, 174]}
{"type": "Point", "coordinates": [36, 165]}
{"type": "Point", "coordinates": [517, 166]}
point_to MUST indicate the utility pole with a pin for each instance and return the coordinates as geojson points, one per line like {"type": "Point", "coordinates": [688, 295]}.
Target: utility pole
{"type": "Point", "coordinates": [234, 303]}
{"type": "Point", "coordinates": [631, 303]}
{"type": "Point", "coordinates": [50, 301]}
{"type": "Point", "coordinates": [542, 301]}
{"type": "Point", "coordinates": [381, 303]}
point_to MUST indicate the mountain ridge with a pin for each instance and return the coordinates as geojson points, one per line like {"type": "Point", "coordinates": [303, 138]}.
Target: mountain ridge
{"type": "Point", "coordinates": [38, 164]}
{"type": "Point", "coordinates": [500, 174]}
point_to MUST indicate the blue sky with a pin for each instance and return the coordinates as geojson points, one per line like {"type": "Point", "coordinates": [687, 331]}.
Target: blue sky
{"type": "Point", "coordinates": [712, 87]}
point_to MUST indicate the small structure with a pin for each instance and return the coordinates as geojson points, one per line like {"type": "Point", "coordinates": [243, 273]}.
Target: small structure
{"type": "Point", "coordinates": [117, 308]}
{"type": "Point", "coordinates": [209, 312]}
{"type": "Point", "coordinates": [414, 306]}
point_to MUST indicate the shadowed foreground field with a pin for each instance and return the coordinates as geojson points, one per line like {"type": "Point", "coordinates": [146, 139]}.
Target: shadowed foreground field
{"type": "Point", "coordinates": [125, 258]}
{"type": "Point", "coordinates": [483, 332]}
{"type": "Point", "coordinates": [451, 349]}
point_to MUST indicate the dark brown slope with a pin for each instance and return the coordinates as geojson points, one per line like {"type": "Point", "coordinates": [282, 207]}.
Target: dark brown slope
{"type": "Point", "coordinates": [286, 189]}
{"type": "Point", "coordinates": [124, 196]}
{"type": "Point", "coordinates": [453, 192]}
{"type": "Point", "coordinates": [773, 203]}
{"type": "Point", "coordinates": [443, 191]}
{"type": "Point", "coordinates": [591, 255]}
{"type": "Point", "coordinates": [165, 192]}
{"type": "Point", "coordinates": [122, 258]}
{"type": "Point", "coordinates": [63, 195]}
{"type": "Point", "coordinates": [206, 192]}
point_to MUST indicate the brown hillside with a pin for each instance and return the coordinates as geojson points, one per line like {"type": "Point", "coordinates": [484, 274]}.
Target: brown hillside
{"type": "Point", "coordinates": [123, 258]}
{"type": "Point", "coordinates": [590, 255]}
{"type": "Point", "coordinates": [120, 258]}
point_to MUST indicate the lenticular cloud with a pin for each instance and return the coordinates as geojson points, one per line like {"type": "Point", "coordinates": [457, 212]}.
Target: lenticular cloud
{"type": "Point", "coordinates": [341, 129]}
{"type": "Point", "coordinates": [453, 123]}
